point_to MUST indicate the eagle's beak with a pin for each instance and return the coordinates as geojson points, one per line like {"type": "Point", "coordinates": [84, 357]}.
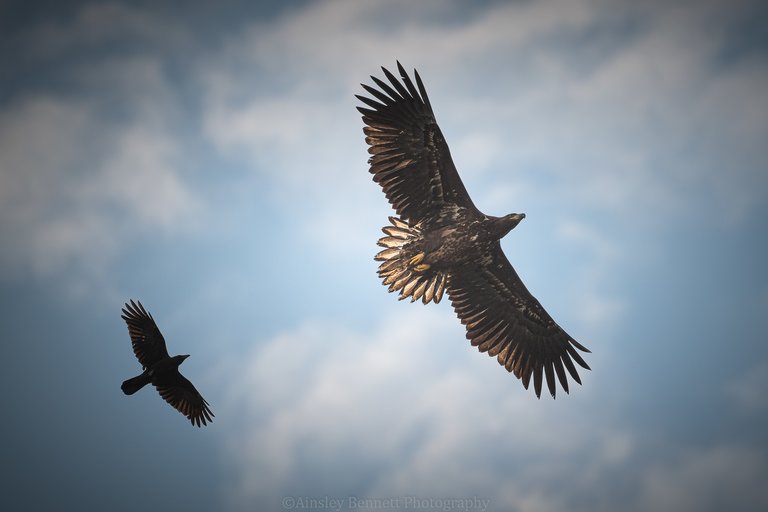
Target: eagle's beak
{"type": "Point", "coordinates": [514, 219]}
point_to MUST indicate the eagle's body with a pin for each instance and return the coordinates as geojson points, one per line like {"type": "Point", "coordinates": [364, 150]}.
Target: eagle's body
{"type": "Point", "coordinates": [458, 236]}
{"type": "Point", "coordinates": [441, 241]}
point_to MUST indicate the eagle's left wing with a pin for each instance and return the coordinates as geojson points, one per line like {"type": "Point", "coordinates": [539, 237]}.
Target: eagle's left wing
{"type": "Point", "coordinates": [505, 320]}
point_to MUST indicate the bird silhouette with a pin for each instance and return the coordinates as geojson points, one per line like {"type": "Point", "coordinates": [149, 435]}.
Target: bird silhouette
{"type": "Point", "coordinates": [160, 369]}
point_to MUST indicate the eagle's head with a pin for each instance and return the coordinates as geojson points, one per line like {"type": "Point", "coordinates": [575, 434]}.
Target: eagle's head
{"type": "Point", "coordinates": [505, 224]}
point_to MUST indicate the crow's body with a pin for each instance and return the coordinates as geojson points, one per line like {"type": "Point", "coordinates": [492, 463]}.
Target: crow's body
{"type": "Point", "coordinates": [160, 369]}
{"type": "Point", "coordinates": [441, 242]}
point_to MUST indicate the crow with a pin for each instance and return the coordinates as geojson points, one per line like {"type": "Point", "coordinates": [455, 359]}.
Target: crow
{"type": "Point", "coordinates": [160, 369]}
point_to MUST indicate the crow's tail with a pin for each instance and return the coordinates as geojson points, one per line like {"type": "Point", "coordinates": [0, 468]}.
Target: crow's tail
{"type": "Point", "coordinates": [131, 386]}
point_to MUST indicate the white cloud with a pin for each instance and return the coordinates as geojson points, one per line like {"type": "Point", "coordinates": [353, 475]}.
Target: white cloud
{"type": "Point", "coordinates": [617, 108]}
{"type": "Point", "coordinates": [409, 409]}
{"type": "Point", "coordinates": [39, 140]}
{"type": "Point", "coordinates": [142, 177]}
{"type": "Point", "coordinates": [74, 189]}
{"type": "Point", "coordinates": [86, 169]}
{"type": "Point", "coordinates": [645, 129]}
{"type": "Point", "coordinates": [405, 409]}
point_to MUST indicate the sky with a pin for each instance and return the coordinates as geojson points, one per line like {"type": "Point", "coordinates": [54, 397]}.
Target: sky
{"type": "Point", "coordinates": [207, 159]}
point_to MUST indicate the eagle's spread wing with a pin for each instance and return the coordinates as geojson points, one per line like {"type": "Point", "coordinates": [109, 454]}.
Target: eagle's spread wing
{"type": "Point", "coordinates": [411, 160]}
{"type": "Point", "coordinates": [505, 320]}
{"type": "Point", "coordinates": [184, 397]}
{"type": "Point", "coordinates": [148, 343]}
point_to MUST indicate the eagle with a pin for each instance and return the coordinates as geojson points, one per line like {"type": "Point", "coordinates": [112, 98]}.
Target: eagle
{"type": "Point", "coordinates": [439, 241]}
{"type": "Point", "coordinates": [160, 369]}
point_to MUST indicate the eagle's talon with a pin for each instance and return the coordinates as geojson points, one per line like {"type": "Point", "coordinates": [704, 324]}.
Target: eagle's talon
{"type": "Point", "coordinates": [422, 267]}
{"type": "Point", "coordinates": [416, 259]}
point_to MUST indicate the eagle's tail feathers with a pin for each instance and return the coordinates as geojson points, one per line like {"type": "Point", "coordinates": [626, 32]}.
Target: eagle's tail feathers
{"type": "Point", "coordinates": [402, 268]}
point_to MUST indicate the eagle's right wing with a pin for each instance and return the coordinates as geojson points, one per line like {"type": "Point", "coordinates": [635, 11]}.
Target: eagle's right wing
{"type": "Point", "coordinates": [411, 160]}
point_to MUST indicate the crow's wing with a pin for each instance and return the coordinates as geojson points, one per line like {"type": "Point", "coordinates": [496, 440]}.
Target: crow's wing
{"type": "Point", "coordinates": [184, 397]}
{"type": "Point", "coordinates": [410, 158]}
{"type": "Point", "coordinates": [505, 320]}
{"type": "Point", "coordinates": [148, 343]}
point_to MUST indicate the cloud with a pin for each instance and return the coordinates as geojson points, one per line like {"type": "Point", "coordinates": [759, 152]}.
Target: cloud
{"type": "Point", "coordinates": [722, 477]}
{"type": "Point", "coordinates": [594, 306]}
{"type": "Point", "coordinates": [623, 109]}
{"type": "Point", "coordinates": [408, 408]}
{"type": "Point", "coordinates": [639, 119]}
{"type": "Point", "coordinates": [748, 389]}
{"type": "Point", "coordinates": [91, 154]}
{"type": "Point", "coordinates": [38, 141]}
{"type": "Point", "coordinates": [74, 190]}
{"type": "Point", "coordinates": [103, 23]}
{"type": "Point", "coordinates": [603, 117]}
{"type": "Point", "coordinates": [142, 178]}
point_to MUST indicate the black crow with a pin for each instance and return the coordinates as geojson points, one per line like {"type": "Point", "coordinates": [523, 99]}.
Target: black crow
{"type": "Point", "coordinates": [442, 242]}
{"type": "Point", "coordinates": [160, 369]}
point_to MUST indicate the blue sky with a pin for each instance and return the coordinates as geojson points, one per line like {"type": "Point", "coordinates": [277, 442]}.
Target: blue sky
{"type": "Point", "coordinates": [210, 162]}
